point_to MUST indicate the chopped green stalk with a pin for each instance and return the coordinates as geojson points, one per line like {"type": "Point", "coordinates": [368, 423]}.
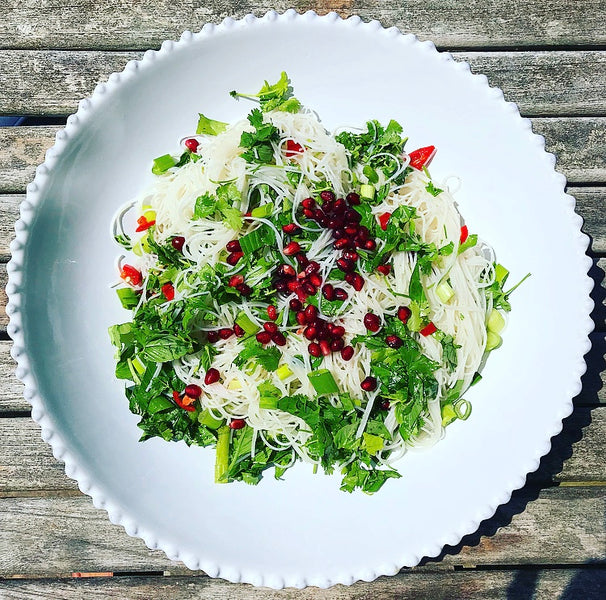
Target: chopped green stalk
{"type": "Point", "coordinates": [244, 321]}
{"type": "Point", "coordinates": [323, 382]}
{"type": "Point", "coordinates": [283, 372]}
{"type": "Point", "coordinates": [493, 340]}
{"type": "Point", "coordinates": [128, 297]}
{"type": "Point", "coordinates": [448, 414]}
{"type": "Point", "coordinates": [414, 321]}
{"type": "Point", "coordinates": [222, 456]}
{"type": "Point", "coordinates": [367, 191]}
{"type": "Point", "coordinates": [142, 245]}
{"type": "Point", "coordinates": [500, 273]}
{"type": "Point", "coordinates": [210, 126]}
{"type": "Point", "coordinates": [262, 211]}
{"type": "Point", "coordinates": [495, 322]}
{"type": "Point", "coordinates": [256, 239]}
{"type": "Point", "coordinates": [207, 419]}
{"type": "Point", "coordinates": [139, 365]}
{"type": "Point", "coordinates": [162, 164]}
{"type": "Point", "coordinates": [462, 409]}
{"type": "Point", "coordinates": [444, 291]}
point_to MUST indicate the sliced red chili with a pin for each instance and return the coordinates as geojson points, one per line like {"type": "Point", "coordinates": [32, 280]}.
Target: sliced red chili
{"type": "Point", "coordinates": [169, 291]}
{"type": "Point", "coordinates": [292, 148]}
{"type": "Point", "coordinates": [185, 403]}
{"type": "Point", "coordinates": [131, 275]}
{"type": "Point", "coordinates": [144, 224]}
{"type": "Point", "coordinates": [383, 220]}
{"type": "Point", "coordinates": [428, 329]}
{"type": "Point", "coordinates": [422, 157]}
{"type": "Point", "coordinates": [464, 234]}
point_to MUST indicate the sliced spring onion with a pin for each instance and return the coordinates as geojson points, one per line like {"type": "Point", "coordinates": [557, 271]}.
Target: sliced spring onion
{"type": "Point", "coordinates": [128, 297]}
{"type": "Point", "coordinates": [222, 456]}
{"type": "Point", "coordinates": [262, 211]}
{"type": "Point", "coordinates": [234, 384]}
{"type": "Point", "coordinates": [162, 164]}
{"type": "Point", "coordinates": [139, 365]}
{"type": "Point", "coordinates": [323, 382]}
{"type": "Point", "coordinates": [414, 321]}
{"type": "Point", "coordinates": [493, 340]}
{"type": "Point", "coordinates": [444, 291]}
{"type": "Point", "coordinates": [142, 245]}
{"type": "Point", "coordinates": [367, 191]}
{"type": "Point", "coordinates": [244, 321]}
{"type": "Point", "coordinates": [500, 273]}
{"type": "Point", "coordinates": [448, 414]}
{"type": "Point", "coordinates": [283, 371]}
{"type": "Point", "coordinates": [256, 239]}
{"type": "Point", "coordinates": [462, 409]}
{"type": "Point", "coordinates": [495, 322]}
{"type": "Point", "coordinates": [150, 215]}
{"type": "Point", "coordinates": [207, 419]}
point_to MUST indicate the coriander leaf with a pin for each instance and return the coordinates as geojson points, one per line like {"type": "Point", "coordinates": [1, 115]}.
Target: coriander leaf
{"type": "Point", "coordinates": [210, 126]}
{"type": "Point", "coordinates": [166, 348]}
{"type": "Point", "coordinates": [432, 189]}
{"type": "Point", "coordinates": [205, 206]}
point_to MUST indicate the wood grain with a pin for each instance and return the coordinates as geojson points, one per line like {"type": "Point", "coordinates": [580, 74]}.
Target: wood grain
{"type": "Point", "coordinates": [27, 463]}
{"type": "Point", "coordinates": [124, 24]}
{"type": "Point", "coordinates": [58, 536]}
{"type": "Point", "coordinates": [539, 584]}
{"type": "Point", "coordinates": [542, 83]}
{"type": "Point", "coordinates": [579, 143]}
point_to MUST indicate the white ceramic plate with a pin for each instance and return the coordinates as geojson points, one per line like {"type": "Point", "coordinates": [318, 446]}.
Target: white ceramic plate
{"type": "Point", "coordinates": [302, 531]}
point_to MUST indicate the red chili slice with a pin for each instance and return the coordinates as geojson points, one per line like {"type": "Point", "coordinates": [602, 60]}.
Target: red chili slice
{"type": "Point", "coordinates": [422, 157]}
{"type": "Point", "coordinates": [184, 403]}
{"type": "Point", "coordinates": [383, 219]}
{"type": "Point", "coordinates": [428, 329]}
{"type": "Point", "coordinates": [144, 224]}
{"type": "Point", "coordinates": [169, 291]}
{"type": "Point", "coordinates": [131, 275]}
{"type": "Point", "coordinates": [292, 148]}
{"type": "Point", "coordinates": [464, 234]}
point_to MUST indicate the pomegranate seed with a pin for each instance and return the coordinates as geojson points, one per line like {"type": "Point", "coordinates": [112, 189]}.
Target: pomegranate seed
{"type": "Point", "coordinates": [281, 286]}
{"type": "Point", "coordinates": [263, 337]}
{"type": "Point", "coordinates": [350, 255]}
{"type": "Point", "coordinates": [301, 318]}
{"type": "Point", "coordinates": [213, 336]}
{"type": "Point", "coordinates": [319, 214]}
{"type": "Point", "coordinates": [338, 331]}
{"type": "Point", "coordinates": [358, 282]}
{"type": "Point", "coordinates": [270, 327]}
{"type": "Point", "coordinates": [312, 267]}
{"type": "Point", "coordinates": [372, 322]}
{"type": "Point", "coordinates": [336, 223]}
{"type": "Point", "coordinates": [311, 313]}
{"type": "Point", "coordinates": [341, 243]}
{"type": "Point", "coordinates": [193, 391]}
{"type": "Point", "coordinates": [302, 260]}
{"type": "Point", "coordinates": [233, 246]}
{"type": "Point", "coordinates": [325, 347]}
{"type": "Point", "coordinates": [225, 333]}
{"type": "Point", "coordinates": [295, 304]}
{"type": "Point", "coordinates": [237, 424]}
{"type": "Point", "coordinates": [315, 279]}
{"type": "Point", "coordinates": [347, 353]}
{"type": "Point", "coordinates": [293, 285]}
{"type": "Point", "coordinates": [337, 345]}
{"type": "Point", "coordinates": [285, 270]}
{"type": "Point", "coordinates": [238, 331]}
{"type": "Point", "coordinates": [192, 145]}
{"type": "Point", "coordinates": [278, 338]}
{"type": "Point", "coordinates": [337, 234]}
{"type": "Point", "coordinates": [291, 228]}
{"type": "Point", "coordinates": [328, 291]}
{"type": "Point", "coordinates": [369, 245]}
{"type": "Point", "coordinates": [363, 233]}
{"type": "Point", "coordinates": [234, 257]}
{"type": "Point", "coordinates": [323, 334]}
{"type": "Point", "coordinates": [352, 216]}
{"type": "Point", "coordinates": [236, 280]}
{"type": "Point", "coordinates": [169, 291]}
{"type": "Point", "coordinates": [404, 313]}
{"type": "Point", "coordinates": [341, 294]}
{"type": "Point", "coordinates": [308, 203]}
{"type": "Point", "coordinates": [314, 349]}
{"type": "Point", "coordinates": [328, 206]}
{"type": "Point", "coordinates": [177, 242]}
{"type": "Point", "coordinates": [345, 265]}
{"type": "Point", "coordinates": [272, 312]}
{"type": "Point", "coordinates": [310, 289]}
{"type": "Point", "coordinates": [393, 341]}
{"type": "Point", "coordinates": [339, 206]}
{"type": "Point", "coordinates": [369, 384]}
{"type": "Point", "coordinates": [327, 196]}
{"type": "Point", "coordinates": [428, 329]}
{"type": "Point", "coordinates": [384, 269]}
{"type": "Point", "coordinates": [244, 289]}
{"type": "Point", "coordinates": [308, 212]}
{"type": "Point", "coordinates": [352, 229]}
{"type": "Point", "coordinates": [310, 332]}
{"type": "Point", "coordinates": [291, 248]}
{"type": "Point", "coordinates": [212, 376]}
{"type": "Point", "coordinates": [385, 405]}
{"type": "Point", "coordinates": [353, 199]}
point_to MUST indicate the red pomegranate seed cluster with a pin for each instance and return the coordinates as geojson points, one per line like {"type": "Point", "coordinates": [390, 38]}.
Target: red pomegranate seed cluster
{"type": "Point", "coordinates": [271, 333]}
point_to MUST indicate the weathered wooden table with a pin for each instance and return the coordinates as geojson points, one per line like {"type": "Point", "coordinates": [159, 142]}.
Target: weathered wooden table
{"type": "Point", "coordinates": [549, 540]}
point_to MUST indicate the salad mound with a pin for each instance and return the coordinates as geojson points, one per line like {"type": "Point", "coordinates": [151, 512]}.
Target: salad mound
{"type": "Point", "coordinates": [300, 295]}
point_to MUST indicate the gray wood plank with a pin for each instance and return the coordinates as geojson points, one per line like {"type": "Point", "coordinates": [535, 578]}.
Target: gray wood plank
{"type": "Point", "coordinates": [579, 144]}
{"type": "Point", "coordinates": [11, 389]}
{"type": "Point", "coordinates": [57, 536]}
{"type": "Point", "coordinates": [542, 83]}
{"type": "Point", "coordinates": [27, 463]}
{"type": "Point", "coordinates": [451, 23]}
{"type": "Point", "coordinates": [539, 584]}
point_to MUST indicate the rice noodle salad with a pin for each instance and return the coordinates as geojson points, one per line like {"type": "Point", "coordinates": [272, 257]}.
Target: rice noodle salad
{"type": "Point", "coordinates": [301, 295]}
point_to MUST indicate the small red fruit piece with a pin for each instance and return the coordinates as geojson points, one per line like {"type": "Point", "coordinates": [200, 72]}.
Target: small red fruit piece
{"type": "Point", "coordinates": [428, 329]}
{"type": "Point", "coordinates": [270, 327]}
{"type": "Point", "coordinates": [347, 353]}
{"type": "Point", "coordinates": [383, 220]}
{"type": "Point", "coordinates": [292, 148]}
{"type": "Point", "coordinates": [369, 384]}
{"type": "Point", "coordinates": [263, 337]}
{"type": "Point", "coordinates": [272, 312]}
{"type": "Point", "coordinates": [278, 338]}
{"type": "Point", "coordinates": [212, 376]}
{"type": "Point", "coordinates": [212, 336]}
{"type": "Point", "coordinates": [404, 313]}
{"type": "Point", "coordinates": [372, 322]}
{"type": "Point", "coordinates": [238, 331]}
{"type": "Point", "coordinates": [169, 291]}
{"type": "Point", "coordinates": [192, 144]}
{"type": "Point", "coordinates": [131, 275]}
{"type": "Point", "coordinates": [233, 258]}
{"type": "Point", "coordinates": [464, 234]}
{"type": "Point", "coordinates": [237, 424]}
{"type": "Point", "coordinates": [233, 246]}
{"type": "Point", "coordinates": [236, 280]}
{"type": "Point", "coordinates": [291, 248]}
{"type": "Point", "coordinates": [422, 157]}
{"type": "Point", "coordinates": [225, 333]}
{"type": "Point", "coordinates": [384, 269]}
{"type": "Point", "coordinates": [314, 349]}
{"type": "Point", "coordinates": [393, 341]}
{"type": "Point", "coordinates": [193, 391]}
{"type": "Point", "coordinates": [177, 242]}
